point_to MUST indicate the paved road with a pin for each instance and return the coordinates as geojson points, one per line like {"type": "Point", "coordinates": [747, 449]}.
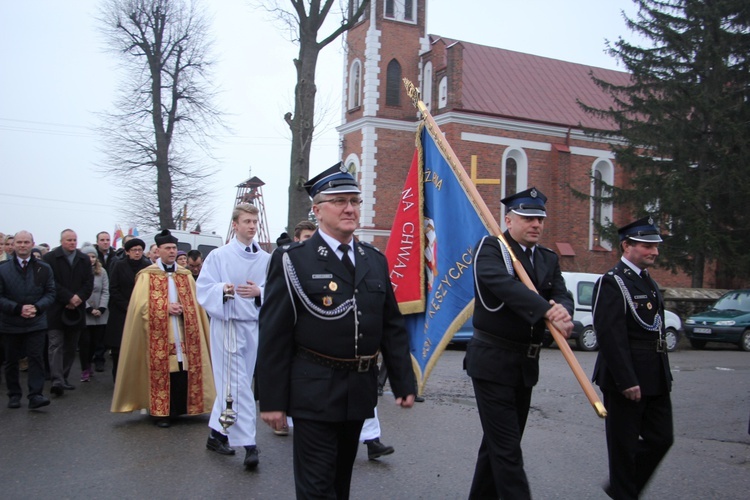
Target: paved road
{"type": "Point", "coordinates": [75, 448]}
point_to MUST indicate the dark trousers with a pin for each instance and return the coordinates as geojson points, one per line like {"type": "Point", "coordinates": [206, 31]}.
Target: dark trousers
{"type": "Point", "coordinates": [324, 454]}
{"type": "Point", "coordinates": [31, 345]}
{"type": "Point", "coordinates": [62, 353]}
{"type": "Point", "coordinates": [503, 411]}
{"type": "Point", "coordinates": [638, 436]}
{"type": "Point", "coordinates": [91, 337]}
{"type": "Point", "coordinates": [178, 388]}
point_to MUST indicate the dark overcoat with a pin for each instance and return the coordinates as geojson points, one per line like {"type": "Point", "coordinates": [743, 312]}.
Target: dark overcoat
{"type": "Point", "coordinates": [75, 279]}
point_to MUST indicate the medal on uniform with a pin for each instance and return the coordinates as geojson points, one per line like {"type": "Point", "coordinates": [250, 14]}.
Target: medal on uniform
{"type": "Point", "coordinates": [327, 301]}
{"type": "Point", "coordinates": [332, 286]}
{"type": "Point", "coordinates": [649, 306]}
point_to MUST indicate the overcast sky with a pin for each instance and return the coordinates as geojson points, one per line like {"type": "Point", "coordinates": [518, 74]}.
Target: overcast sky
{"type": "Point", "coordinates": [55, 76]}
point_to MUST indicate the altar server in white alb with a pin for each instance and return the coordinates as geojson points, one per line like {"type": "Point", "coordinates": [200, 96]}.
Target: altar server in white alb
{"type": "Point", "coordinates": [230, 289]}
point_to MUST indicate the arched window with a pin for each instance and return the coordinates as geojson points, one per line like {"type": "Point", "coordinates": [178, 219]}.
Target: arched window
{"type": "Point", "coordinates": [514, 174]}
{"type": "Point", "coordinates": [393, 84]}
{"type": "Point", "coordinates": [443, 92]}
{"type": "Point", "coordinates": [601, 211]}
{"type": "Point", "coordinates": [427, 85]}
{"type": "Point", "coordinates": [355, 84]}
{"type": "Point", "coordinates": [353, 6]}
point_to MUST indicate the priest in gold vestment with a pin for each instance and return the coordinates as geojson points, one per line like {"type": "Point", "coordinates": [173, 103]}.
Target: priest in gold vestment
{"type": "Point", "coordinates": [168, 378]}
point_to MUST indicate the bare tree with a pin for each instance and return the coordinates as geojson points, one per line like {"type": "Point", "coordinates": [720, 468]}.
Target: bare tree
{"type": "Point", "coordinates": [304, 23]}
{"type": "Point", "coordinates": [164, 108]}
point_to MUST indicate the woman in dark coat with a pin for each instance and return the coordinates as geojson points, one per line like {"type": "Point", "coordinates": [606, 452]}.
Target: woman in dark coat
{"type": "Point", "coordinates": [121, 283]}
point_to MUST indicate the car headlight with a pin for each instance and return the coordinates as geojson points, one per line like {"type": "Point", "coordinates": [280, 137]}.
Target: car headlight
{"type": "Point", "coordinates": [689, 321]}
{"type": "Point", "coordinates": [725, 322]}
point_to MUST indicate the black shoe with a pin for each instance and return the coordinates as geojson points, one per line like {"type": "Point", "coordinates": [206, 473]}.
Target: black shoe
{"type": "Point", "coordinates": [162, 422]}
{"type": "Point", "coordinates": [418, 399]}
{"type": "Point", "coordinates": [14, 402]}
{"type": "Point", "coordinates": [376, 449]}
{"type": "Point", "coordinates": [37, 401]}
{"type": "Point", "coordinates": [251, 457]}
{"type": "Point", "coordinates": [99, 366]}
{"type": "Point", "coordinates": [219, 446]}
{"type": "Point", "coordinates": [57, 390]}
{"type": "Point", "coordinates": [68, 387]}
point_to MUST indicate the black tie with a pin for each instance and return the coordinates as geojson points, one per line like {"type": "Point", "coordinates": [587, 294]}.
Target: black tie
{"type": "Point", "coordinates": [24, 264]}
{"type": "Point", "coordinates": [647, 278]}
{"type": "Point", "coordinates": [348, 264]}
{"type": "Point", "coordinates": [530, 255]}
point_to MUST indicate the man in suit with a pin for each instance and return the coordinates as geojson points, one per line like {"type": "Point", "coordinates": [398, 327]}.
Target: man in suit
{"type": "Point", "coordinates": [104, 251]}
{"type": "Point", "coordinates": [329, 311]}
{"type": "Point", "coordinates": [632, 368]}
{"type": "Point", "coordinates": [27, 289]}
{"type": "Point", "coordinates": [74, 282]}
{"type": "Point", "coordinates": [502, 357]}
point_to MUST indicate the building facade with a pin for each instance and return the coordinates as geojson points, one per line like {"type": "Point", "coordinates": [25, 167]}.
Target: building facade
{"type": "Point", "coordinates": [513, 120]}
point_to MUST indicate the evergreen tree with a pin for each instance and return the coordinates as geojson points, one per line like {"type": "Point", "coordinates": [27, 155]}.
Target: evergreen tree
{"type": "Point", "coordinates": [685, 121]}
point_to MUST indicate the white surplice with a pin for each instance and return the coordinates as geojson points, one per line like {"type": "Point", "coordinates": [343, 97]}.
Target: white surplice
{"type": "Point", "coordinates": [233, 264]}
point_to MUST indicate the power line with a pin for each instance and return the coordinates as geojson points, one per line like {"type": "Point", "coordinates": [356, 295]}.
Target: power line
{"type": "Point", "coordinates": [76, 202]}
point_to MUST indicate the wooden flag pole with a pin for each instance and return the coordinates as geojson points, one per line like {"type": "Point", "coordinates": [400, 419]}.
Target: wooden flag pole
{"type": "Point", "coordinates": [490, 222]}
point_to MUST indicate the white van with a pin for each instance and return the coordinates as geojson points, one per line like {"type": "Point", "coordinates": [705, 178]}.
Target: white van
{"type": "Point", "coordinates": [188, 240]}
{"type": "Point", "coordinates": [581, 285]}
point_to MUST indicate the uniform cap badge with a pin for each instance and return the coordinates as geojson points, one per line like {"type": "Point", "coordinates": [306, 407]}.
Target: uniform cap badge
{"type": "Point", "coordinates": [327, 301]}
{"type": "Point", "coordinates": [332, 286]}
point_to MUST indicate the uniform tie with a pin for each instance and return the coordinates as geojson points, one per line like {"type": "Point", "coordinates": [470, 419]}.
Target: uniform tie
{"type": "Point", "coordinates": [348, 264]}
{"type": "Point", "coordinates": [530, 254]}
{"type": "Point", "coordinates": [24, 264]}
{"type": "Point", "coordinates": [647, 278]}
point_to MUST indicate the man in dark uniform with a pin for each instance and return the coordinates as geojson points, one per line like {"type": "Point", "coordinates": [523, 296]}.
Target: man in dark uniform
{"type": "Point", "coordinates": [632, 368]}
{"type": "Point", "coordinates": [329, 311]}
{"type": "Point", "coordinates": [502, 358]}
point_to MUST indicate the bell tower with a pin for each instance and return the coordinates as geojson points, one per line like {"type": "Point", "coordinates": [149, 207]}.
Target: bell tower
{"type": "Point", "coordinates": [379, 120]}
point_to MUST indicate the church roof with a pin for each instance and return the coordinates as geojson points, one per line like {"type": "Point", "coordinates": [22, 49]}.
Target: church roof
{"type": "Point", "coordinates": [528, 87]}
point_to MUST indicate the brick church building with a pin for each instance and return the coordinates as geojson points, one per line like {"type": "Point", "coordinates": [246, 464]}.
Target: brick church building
{"type": "Point", "coordinates": [512, 119]}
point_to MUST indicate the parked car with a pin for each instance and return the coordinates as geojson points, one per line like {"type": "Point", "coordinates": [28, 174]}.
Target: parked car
{"type": "Point", "coordinates": [728, 320]}
{"type": "Point", "coordinates": [581, 285]}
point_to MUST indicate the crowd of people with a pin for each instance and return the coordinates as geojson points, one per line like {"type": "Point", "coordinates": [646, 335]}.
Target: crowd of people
{"type": "Point", "coordinates": [302, 331]}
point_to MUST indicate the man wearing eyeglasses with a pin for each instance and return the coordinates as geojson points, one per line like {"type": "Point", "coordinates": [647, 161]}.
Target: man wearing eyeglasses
{"type": "Point", "coordinates": [329, 312]}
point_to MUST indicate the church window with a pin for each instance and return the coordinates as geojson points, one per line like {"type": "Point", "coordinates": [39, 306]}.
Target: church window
{"type": "Point", "coordinates": [401, 10]}
{"type": "Point", "coordinates": [355, 84]}
{"type": "Point", "coordinates": [514, 174]}
{"type": "Point", "coordinates": [393, 84]}
{"type": "Point", "coordinates": [601, 211]}
{"type": "Point", "coordinates": [443, 92]}
{"type": "Point", "coordinates": [427, 85]}
{"type": "Point", "coordinates": [353, 6]}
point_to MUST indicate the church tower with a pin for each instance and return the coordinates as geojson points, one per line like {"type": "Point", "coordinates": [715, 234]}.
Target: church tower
{"type": "Point", "coordinates": [379, 120]}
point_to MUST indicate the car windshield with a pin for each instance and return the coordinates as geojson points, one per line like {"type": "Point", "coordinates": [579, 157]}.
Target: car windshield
{"type": "Point", "coordinates": [734, 301]}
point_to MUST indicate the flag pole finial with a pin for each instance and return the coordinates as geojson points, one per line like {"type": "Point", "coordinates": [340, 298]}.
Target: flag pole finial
{"type": "Point", "coordinates": [413, 92]}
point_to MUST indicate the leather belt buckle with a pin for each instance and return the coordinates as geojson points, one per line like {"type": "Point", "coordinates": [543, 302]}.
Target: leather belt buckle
{"type": "Point", "coordinates": [533, 350]}
{"type": "Point", "coordinates": [661, 345]}
{"type": "Point", "coordinates": [363, 363]}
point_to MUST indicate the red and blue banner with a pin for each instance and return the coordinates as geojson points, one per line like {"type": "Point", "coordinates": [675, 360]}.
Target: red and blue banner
{"type": "Point", "coordinates": [431, 271]}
